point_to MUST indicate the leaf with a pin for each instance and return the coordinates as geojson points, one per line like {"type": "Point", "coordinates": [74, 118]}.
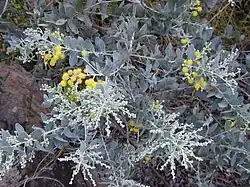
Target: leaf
{"type": "Point", "coordinates": [169, 52]}
{"type": "Point", "coordinates": [100, 44]}
{"type": "Point", "coordinates": [69, 10]}
{"type": "Point", "coordinates": [211, 3]}
{"type": "Point", "coordinates": [69, 134]}
{"type": "Point", "coordinates": [60, 22]}
{"type": "Point", "coordinates": [89, 46]}
{"type": "Point", "coordinates": [72, 26]}
{"type": "Point", "coordinates": [3, 5]}
{"type": "Point", "coordinates": [19, 128]}
{"type": "Point", "coordinates": [190, 52]}
{"type": "Point", "coordinates": [85, 19]}
{"type": "Point", "coordinates": [207, 34]}
{"type": "Point", "coordinates": [223, 104]}
{"type": "Point", "coordinates": [73, 58]}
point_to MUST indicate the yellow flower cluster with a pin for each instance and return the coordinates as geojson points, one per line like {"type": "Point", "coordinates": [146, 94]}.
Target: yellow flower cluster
{"type": "Point", "coordinates": [147, 158]}
{"type": "Point", "coordinates": [184, 42]}
{"type": "Point", "coordinates": [192, 77]}
{"type": "Point", "coordinates": [75, 76]}
{"type": "Point", "coordinates": [53, 58]}
{"type": "Point", "coordinates": [133, 127]}
{"type": "Point", "coordinates": [197, 9]}
{"type": "Point", "coordinates": [84, 53]}
{"type": "Point", "coordinates": [91, 83]}
{"type": "Point", "coordinates": [58, 35]}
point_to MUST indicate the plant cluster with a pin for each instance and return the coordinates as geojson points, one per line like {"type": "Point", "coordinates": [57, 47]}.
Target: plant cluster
{"type": "Point", "coordinates": [151, 85]}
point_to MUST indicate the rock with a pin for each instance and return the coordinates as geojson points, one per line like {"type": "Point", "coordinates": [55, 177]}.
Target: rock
{"type": "Point", "coordinates": [20, 97]}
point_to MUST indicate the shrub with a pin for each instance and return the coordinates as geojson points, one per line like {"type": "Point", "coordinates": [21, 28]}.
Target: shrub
{"type": "Point", "coordinates": [136, 83]}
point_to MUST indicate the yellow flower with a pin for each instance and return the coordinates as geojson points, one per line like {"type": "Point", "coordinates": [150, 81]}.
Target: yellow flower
{"type": "Point", "coordinates": [81, 75]}
{"type": "Point", "coordinates": [58, 48]}
{"type": "Point", "coordinates": [185, 69]}
{"type": "Point", "coordinates": [131, 123]}
{"type": "Point", "coordinates": [195, 74]}
{"type": "Point", "coordinates": [198, 62]}
{"type": "Point", "coordinates": [190, 62]}
{"type": "Point", "coordinates": [65, 76]}
{"type": "Point", "coordinates": [75, 72]}
{"type": "Point", "coordinates": [73, 97]}
{"type": "Point", "coordinates": [62, 56]}
{"type": "Point", "coordinates": [197, 53]}
{"type": "Point", "coordinates": [78, 70]}
{"type": "Point", "coordinates": [79, 81]}
{"type": "Point", "coordinates": [197, 86]}
{"type": "Point", "coordinates": [47, 56]}
{"type": "Point", "coordinates": [92, 116]}
{"type": "Point", "coordinates": [185, 61]}
{"type": "Point", "coordinates": [195, 13]}
{"type": "Point", "coordinates": [70, 72]}
{"type": "Point", "coordinates": [232, 124]}
{"type": "Point", "coordinates": [136, 130]}
{"type": "Point", "coordinates": [70, 82]}
{"type": "Point", "coordinates": [52, 62]}
{"type": "Point", "coordinates": [63, 83]}
{"type": "Point", "coordinates": [190, 80]}
{"type": "Point", "coordinates": [199, 9]}
{"type": "Point", "coordinates": [73, 78]}
{"type": "Point", "coordinates": [101, 82]}
{"type": "Point", "coordinates": [85, 70]}
{"type": "Point", "coordinates": [147, 158]}
{"type": "Point", "coordinates": [184, 41]}
{"type": "Point", "coordinates": [84, 53]}
{"type": "Point", "coordinates": [90, 83]}
{"type": "Point", "coordinates": [56, 57]}
{"type": "Point", "coordinates": [203, 83]}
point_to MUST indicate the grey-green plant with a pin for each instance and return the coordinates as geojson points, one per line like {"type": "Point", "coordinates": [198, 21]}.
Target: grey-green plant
{"type": "Point", "coordinates": [140, 52]}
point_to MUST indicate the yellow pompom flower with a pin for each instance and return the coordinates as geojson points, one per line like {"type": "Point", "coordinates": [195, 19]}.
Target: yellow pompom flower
{"type": "Point", "coordinates": [56, 57]}
{"type": "Point", "coordinates": [81, 75]}
{"type": "Point", "coordinates": [85, 70]}
{"type": "Point", "coordinates": [84, 53]}
{"type": "Point", "coordinates": [78, 70]}
{"type": "Point", "coordinates": [70, 72]}
{"type": "Point", "coordinates": [184, 41]}
{"type": "Point", "coordinates": [63, 83]}
{"type": "Point", "coordinates": [197, 54]}
{"type": "Point", "coordinates": [132, 123]}
{"type": "Point", "coordinates": [185, 69]}
{"type": "Point", "coordinates": [73, 78]}
{"type": "Point", "coordinates": [203, 83]}
{"type": "Point", "coordinates": [90, 83]}
{"type": "Point", "coordinates": [79, 81]}
{"type": "Point", "coordinates": [147, 158]}
{"type": "Point", "coordinates": [135, 130]}
{"type": "Point", "coordinates": [190, 62]}
{"type": "Point", "coordinates": [70, 82]}
{"type": "Point", "coordinates": [47, 56]}
{"type": "Point", "coordinates": [197, 86]}
{"type": "Point", "coordinates": [75, 72]}
{"type": "Point", "coordinates": [199, 9]}
{"type": "Point", "coordinates": [198, 62]}
{"type": "Point", "coordinates": [101, 82]}
{"type": "Point", "coordinates": [195, 74]}
{"type": "Point", "coordinates": [62, 56]}
{"type": "Point", "coordinates": [52, 62]}
{"type": "Point", "coordinates": [65, 76]}
{"type": "Point", "coordinates": [58, 48]}
{"type": "Point", "coordinates": [190, 80]}
{"type": "Point", "coordinates": [195, 13]}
